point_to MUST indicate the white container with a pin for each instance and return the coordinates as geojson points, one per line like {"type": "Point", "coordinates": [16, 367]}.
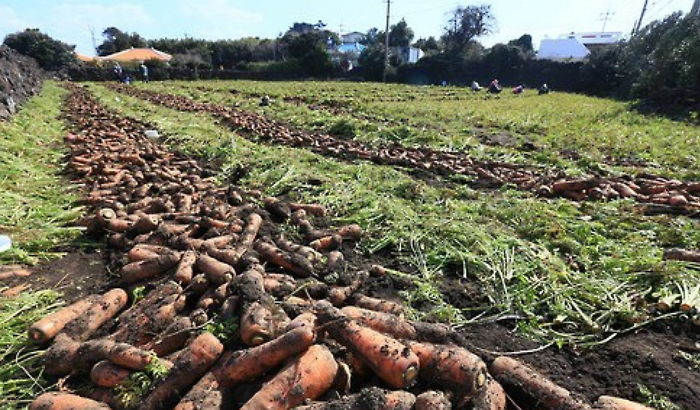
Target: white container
{"type": "Point", "coordinates": [5, 243]}
{"type": "Point", "coordinates": [152, 134]}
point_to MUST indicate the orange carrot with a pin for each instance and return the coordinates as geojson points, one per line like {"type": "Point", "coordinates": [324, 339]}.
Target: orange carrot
{"type": "Point", "coordinates": [306, 378]}
{"type": "Point", "coordinates": [82, 327]}
{"type": "Point", "coordinates": [191, 365]}
{"type": "Point", "coordinates": [491, 397]}
{"type": "Point", "coordinates": [306, 320]}
{"type": "Point", "coordinates": [381, 322]}
{"type": "Point", "coordinates": [173, 338]}
{"type": "Point", "coordinates": [293, 262]}
{"type": "Point", "coordinates": [183, 273]}
{"type": "Point", "coordinates": [145, 269]}
{"type": "Point", "coordinates": [339, 294]}
{"type": "Point", "coordinates": [432, 400]}
{"type": "Point", "coordinates": [48, 327]}
{"type": "Point", "coordinates": [379, 305]}
{"type": "Point", "coordinates": [65, 401]}
{"type": "Point", "coordinates": [108, 374]}
{"type": "Point", "coordinates": [451, 367]}
{"type": "Point", "coordinates": [217, 272]}
{"type": "Point", "coordinates": [390, 359]}
{"type": "Point", "coordinates": [277, 208]}
{"type": "Point", "coordinates": [58, 359]}
{"type": "Point", "coordinates": [205, 395]}
{"type": "Point", "coordinates": [330, 242]}
{"type": "Point", "coordinates": [616, 403]}
{"type": "Point", "coordinates": [140, 253]}
{"type": "Point", "coordinates": [260, 324]}
{"type": "Point", "coordinates": [311, 209]}
{"type": "Point", "coordinates": [248, 364]}
{"type": "Point", "coordinates": [145, 224]}
{"type": "Point", "coordinates": [352, 232]}
{"type": "Point", "coordinates": [520, 377]}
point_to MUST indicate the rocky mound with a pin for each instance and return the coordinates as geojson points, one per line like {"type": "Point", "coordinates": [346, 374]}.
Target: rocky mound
{"type": "Point", "coordinates": [20, 78]}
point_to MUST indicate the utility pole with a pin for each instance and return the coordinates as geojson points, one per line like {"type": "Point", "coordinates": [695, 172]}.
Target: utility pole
{"type": "Point", "coordinates": [696, 8]}
{"type": "Point", "coordinates": [606, 17]}
{"type": "Point", "coordinates": [386, 40]}
{"type": "Point", "coordinates": [641, 18]}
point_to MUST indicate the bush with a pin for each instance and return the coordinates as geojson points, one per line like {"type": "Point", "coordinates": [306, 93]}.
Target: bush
{"type": "Point", "coordinates": [51, 54]}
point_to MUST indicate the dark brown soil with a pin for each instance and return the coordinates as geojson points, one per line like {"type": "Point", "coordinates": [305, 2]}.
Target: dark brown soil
{"type": "Point", "coordinates": [20, 78]}
{"type": "Point", "coordinates": [75, 275]}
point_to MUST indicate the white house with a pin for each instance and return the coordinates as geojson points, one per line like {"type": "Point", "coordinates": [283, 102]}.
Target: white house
{"type": "Point", "coordinates": [352, 38]}
{"type": "Point", "coordinates": [576, 46]}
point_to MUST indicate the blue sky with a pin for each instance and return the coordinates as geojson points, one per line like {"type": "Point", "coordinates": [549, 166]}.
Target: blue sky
{"type": "Point", "coordinates": [71, 20]}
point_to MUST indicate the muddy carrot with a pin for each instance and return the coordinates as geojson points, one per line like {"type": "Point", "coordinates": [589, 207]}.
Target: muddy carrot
{"type": "Point", "coordinates": [217, 272]}
{"type": "Point", "coordinates": [260, 324]}
{"type": "Point", "coordinates": [277, 208]}
{"type": "Point", "coordinates": [145, 224]}
{"type": "Point", "coordinates": [139, 253]}
{"type": "Point", "coordinates": [173, 338]}
{"type": "Point", "coordinates": [451, 367]}
{"type": "Point", "coordinates": [248, 364]}
{"type": "Point", "coordinates": [381, 322]}
{"type": "Point", "coordinates": [306, 320]}
{"type": "Point", "coordinates": [518, 376]}
{"type": "Point", "coordinates": [108, 305]}
{"type": "Point", "coordinates": [48, 327]}
{"type": "Point", "coordinates": [330, 242]}
{"type": "Point", "coordinates": [352, 232]}
{"type": "Point", "coordinates": [491, 397]}
{"type": "Point", "coordinates": [432, 400]}
{"type": "Point", "coordinates": [379, 305]}
{"type": "Point", "coordinates": [339, 294]}
{"type": "Point", "coordinates": [616, 403]}
{"type": "Point", "coordinates": [58, 359]}
{"type": "Point", "coordinates": [335, 260]}
{"type": "Point", "coordinates": [183, 273]}
{"type": "Point", "coordinates": [390, 359]}
{"type": "Point", "coordinates": [293, 262]}
{"type": "Point", "coordinates": [306, 378]}
{"type": "Point", "coordinates": [205, 395]}
{"type": "Point", "coordinates": [373, 397]}
{"type": "Point", "coordinates": [191, 365]}
{"type": "Point", "coordinates": [108, 374]}
{"type": "Point", "coordinates": [65, 401]}
{"type": "Point", "coordinates": [311, 209]}
{"type": "Point", "coordinates": [138, 271]}
{"type": "Point", "coordinates": [279, 285]}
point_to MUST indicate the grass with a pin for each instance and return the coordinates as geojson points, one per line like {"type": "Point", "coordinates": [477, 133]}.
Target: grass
{"type": "Point", "coordinates": [36, 203]}
{"type": "Point", "coordinates": [576, 274]}
{"type": "Point", "coordinates": [599, 130]}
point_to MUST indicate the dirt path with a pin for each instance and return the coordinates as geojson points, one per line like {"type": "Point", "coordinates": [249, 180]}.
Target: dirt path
{"type": "Point", "coordinates": [656, 194]}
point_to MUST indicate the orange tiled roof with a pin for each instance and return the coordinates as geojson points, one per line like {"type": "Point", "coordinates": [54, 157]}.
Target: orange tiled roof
{"type": "Point", "coordinates": [84, 57]}
{"type": "Point", "coordinates": [138, 54]}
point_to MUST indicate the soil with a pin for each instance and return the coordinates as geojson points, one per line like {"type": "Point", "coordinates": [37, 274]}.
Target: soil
{"type": "Point", "coordinates": [75, 275]}
{"type": "Point", "coordinates": [20, 78]}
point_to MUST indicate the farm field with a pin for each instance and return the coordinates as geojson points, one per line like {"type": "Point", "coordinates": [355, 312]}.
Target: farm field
{"type": "Point", "coordinates": [537, 227]}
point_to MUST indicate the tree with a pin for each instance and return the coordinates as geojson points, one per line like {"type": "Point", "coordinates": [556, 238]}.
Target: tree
{"type": "Point", "coordinates": [428, 45]}
{"type": "Point", "coordinates": [116, 40]}
{"type": "Point", "coordinates": [524, 43]}
{"type": "Point", "coordinates": [400, 35]}
{"type": "Point", "coordinates": [372, 61]}
{"type": "Point", "coordinates": [373, 36]}
{"type": "Point", "coordinates": [308, 43]}
{"type": "Point", "coordinates": [49, 53]}
{"type": "Point", "coordinates": [466, 24]}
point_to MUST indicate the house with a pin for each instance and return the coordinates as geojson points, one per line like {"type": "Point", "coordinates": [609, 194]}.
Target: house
{"type": "Point", "coordinates": [84, 57]}
{"type": "Point", "coordinates": [576, 46]}
{"type": "Point", "coordinates": [352, 38]}
{"type": "Point", "coordinates": [138, 55]}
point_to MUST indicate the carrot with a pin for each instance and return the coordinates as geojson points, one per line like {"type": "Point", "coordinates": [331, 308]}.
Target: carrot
{"type": "Point", "coordinates": [562, 186]}
{"type": "Point", "coordinates": [107, 374]}
{"type": "Point", "coordinates": [306, 378]}
{"type": "Point", "coordinates": [205, 395]}
{"type": "Point", "coordinates": [451, 367]}
{"type": "Point", "coordinates": [15, 272]}
{"type": "Point", "coordinates": [191, 365]}
{"type": "Point", "coordinates": [248, 364]}
{"type": "Point", "coordinates": [616, 403]}
{"type": "Point", "coordinates": [311, 209]}
{"type": "Point", "coordinates": [199, 284]}
{"type": "Point", "coordinates": [145, 269]}
{"type": "Point", "coordinates": [390, 359]}
{"type": "Point", "coordinates": [432, 400]}
{"type": "Point", "coordinates": [339, 294]}
{"type": "Point", "coordinates": [65, 401]}
{"type": "Point", "coordinates": [139, 253]}
{"type": "Point", "coordinates": [131, 357]}
{"type": "Point", "coordinates": [335, 260]}
{"type": "Point", "coordinates": [381, 322]}
{"type": "Point", "coordinates": [145, 224]}
{"type": "Point", "coordinates": [183, 273]}
{"type": "Point", "coordinates": [48, 327]}
{"type": "Point", "coordinates": [369, 398]}
{"type": "Point", "coordinates": [172, 338]}
{"type": "Point", "coordinates": [491, 397]}
{"type": "Point", "coordinates": [59, 357]}
{"type": "Point", "coordinates": [520, 377]}
{"type": "Point", "coordinates": [278, 284]}
{"type": "Point", "coordinates": [277, 208]}
{"type": "Point", "coordinates": [118, 225]}
{"type": "Point", "coordinates": [103, 309]}
{"type": "Point", "coordinates": [260, 324]}
{"type": "Point", "coordinates": [682, 255]}
{"type": "Point", "coordinates": [378, 305]}
{"type": "Point", "coordinates": [330, 242]}
{"type": "Point", "coordinates": [248, 235]}
{"type": "Point", "coordinates": [292, 262]}
{"type": "Point", "coordinates": [352, 232]}
{"type": "Point", "coordinates": [305, 320]}
{"type": "Point", "coordinates": [217, 272]}
{"type": "Point", "coordinates": [218, 241]}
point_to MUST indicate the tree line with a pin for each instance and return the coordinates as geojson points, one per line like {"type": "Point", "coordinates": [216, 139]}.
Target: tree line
{"type": "Point", "coordinates": [660, 64]}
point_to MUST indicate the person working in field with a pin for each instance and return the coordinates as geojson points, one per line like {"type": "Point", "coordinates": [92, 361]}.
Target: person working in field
{"type": "Point", "coordinates": [519, 89]}
{"type": "Point", "coordinates": [475, 86]}
{"type": "Point", "coordinates": [495, 87]}
{"type": "Point", "coordinates": [544, 89]}
{"type": "Point", "coordinates": [118, 71]}
{"type": "Point", "coordinates": [144, 72]}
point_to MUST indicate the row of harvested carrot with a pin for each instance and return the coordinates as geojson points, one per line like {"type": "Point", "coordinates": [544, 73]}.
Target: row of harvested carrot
{"type": "Point", "coordinates": [644, 188]}
{"type": "Point", "coordinates": [298, 339]}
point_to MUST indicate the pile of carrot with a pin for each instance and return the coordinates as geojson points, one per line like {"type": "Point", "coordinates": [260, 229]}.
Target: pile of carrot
{"type": "Point", "coordinates": [209, 254]}
{"type": "Point", "coordinates": [658, 195]}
